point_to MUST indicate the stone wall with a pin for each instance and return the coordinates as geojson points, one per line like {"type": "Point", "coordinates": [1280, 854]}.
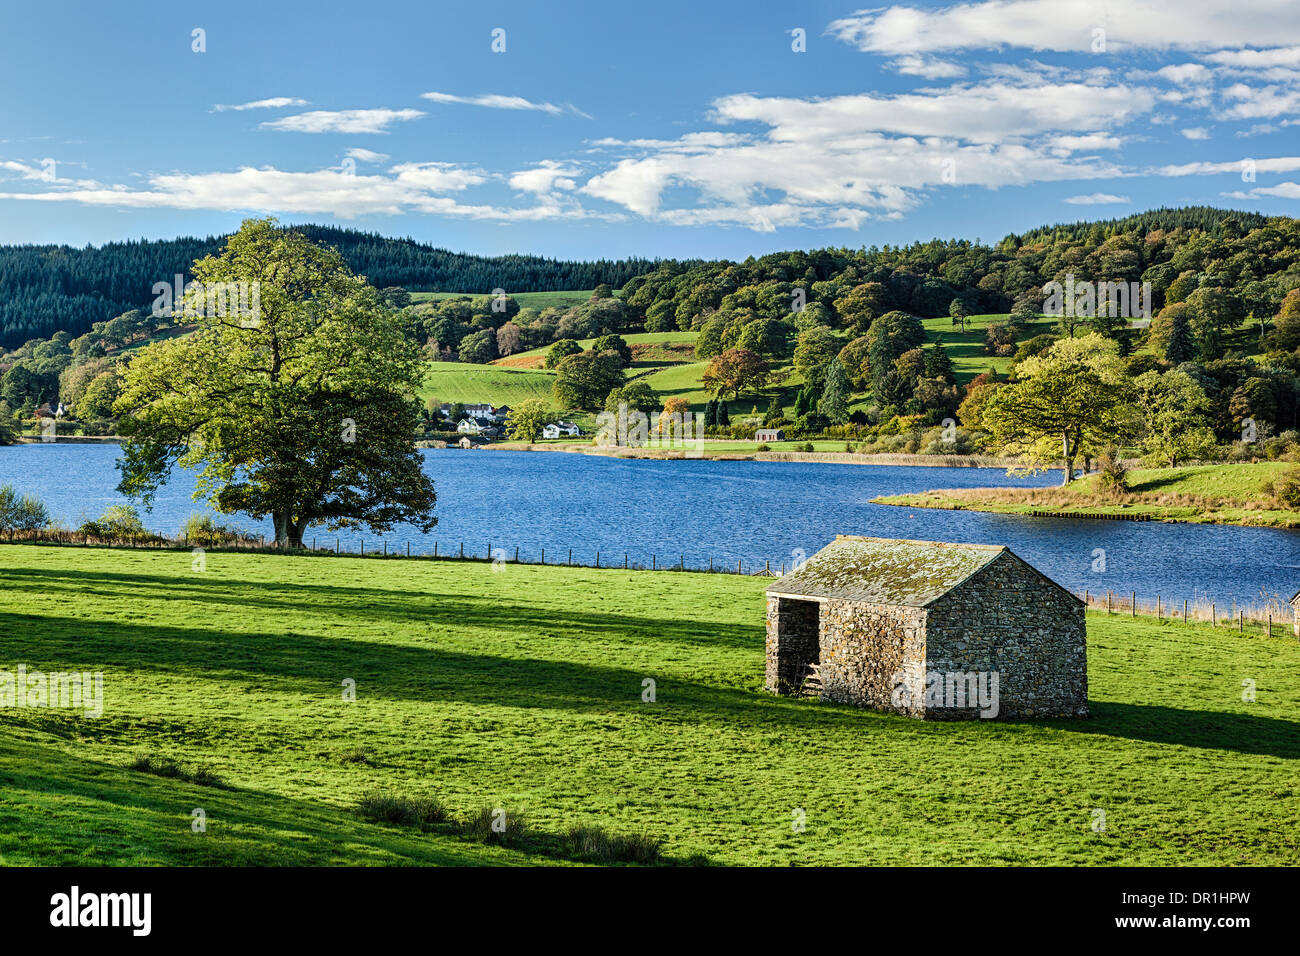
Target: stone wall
{"type": "Point", "coordinates": [864, 646]}
{"type": "Point", "coordinates": [791, 642]}
{"type": "Point", "coordinates": [1009, 619]}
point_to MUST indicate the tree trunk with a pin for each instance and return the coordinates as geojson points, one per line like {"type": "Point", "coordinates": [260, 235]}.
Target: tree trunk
{"type": "Point", "coordinates": [1067, 451]}
{"type": "Point", "coordinates": [296, 531]}
{"type": "Point", "coordinates": [281, 521]}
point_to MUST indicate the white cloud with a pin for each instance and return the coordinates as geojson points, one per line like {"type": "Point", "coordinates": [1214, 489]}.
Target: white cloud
{"type": "Point", "coordinates": [1097, 199]}
{"type": "Point", "coordinates": [1260, 102]}
{"type": "Point", "coordinates": [409, 187]}
{"type": "Point", "coordinates": [1087, 143]}
{"type": "Point", "coordinates": [1278, 164]}
{"type": "Point", "coordinates": [362, 155]}
{"type": "Point", "coordinates": [342, 121]}
{"type": "Point", "coordinates": [1196, 132]}
{"type": "Point", "coordinates": [1069, 25]}
{"type": "Point", "coordinates": [839, 160]}
{"type": "Point", "coordinates": [1257, 59]}
{"type": "Point", "coordinates": [1184, 73]}
{"type": "Point", "coordinates": [498, 101]}
{"type": "Point", "coordinates": [547, 177]}
{"type": "Point", "coordinates": [274, 102]}
{"type": "Point", "coordinates": [928, 67]}
{"type": "Point", "coordinates": [985, 113]}
{"type": "Point", "coordinates": [1281, 190]}
{"type": "Point", "coordinates": [688, 143]}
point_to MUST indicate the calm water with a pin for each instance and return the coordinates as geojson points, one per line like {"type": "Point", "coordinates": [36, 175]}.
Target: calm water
{"type": "Point", "coordinates": [727, 511]}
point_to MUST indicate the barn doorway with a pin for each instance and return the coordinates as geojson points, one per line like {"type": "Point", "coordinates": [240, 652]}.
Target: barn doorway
{"type": "Point", "coordinates": [798, 643]}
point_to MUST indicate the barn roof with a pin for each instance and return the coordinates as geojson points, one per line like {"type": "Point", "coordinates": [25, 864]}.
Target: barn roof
{"type": "Point", "coordinates": [886, 570]}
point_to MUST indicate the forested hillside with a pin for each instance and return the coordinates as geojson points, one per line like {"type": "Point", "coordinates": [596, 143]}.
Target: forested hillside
{"type": "Point", "coordinates": [48, 289]}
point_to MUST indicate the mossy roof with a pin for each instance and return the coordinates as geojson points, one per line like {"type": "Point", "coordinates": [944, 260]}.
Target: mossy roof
{"type": "Point", "coordinates": [886, 570]}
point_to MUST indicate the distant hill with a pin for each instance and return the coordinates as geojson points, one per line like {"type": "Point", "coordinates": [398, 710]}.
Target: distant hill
{"type": "Point", "coordinates": [47, 289]}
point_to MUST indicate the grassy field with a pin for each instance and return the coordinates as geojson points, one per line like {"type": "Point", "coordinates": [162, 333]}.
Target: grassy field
{"type": "Point", "coordinates": [527, 300]}
{"type": "Point", "coordinates": [1212, 494]}
{"type": "Point", "coordinates": [523, 690]}
{"type": "Point", "coordinates": [966, 349]}
{"type": "Point", "coordinates": [666, 362]}
{"type": "Point", "coordinates": [471, 384]}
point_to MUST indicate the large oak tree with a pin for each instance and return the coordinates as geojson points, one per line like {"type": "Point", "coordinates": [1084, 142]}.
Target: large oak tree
{"type": "Point", "coordinates": [302, 411]}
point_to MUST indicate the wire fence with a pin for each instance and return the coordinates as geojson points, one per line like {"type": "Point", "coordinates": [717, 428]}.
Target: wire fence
{"type": "Point", "coordinates": [1271, 616]}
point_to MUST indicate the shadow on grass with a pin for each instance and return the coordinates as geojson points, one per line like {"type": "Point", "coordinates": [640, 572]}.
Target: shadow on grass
{"type": "Point", "coordinates": [56, 809]}
{"type": "Point", "coordinates": [1205, 729]}
{"type": "Point", "coordinates": [422, 607]}
{"type": "Point", "coordinates": [314, 664]}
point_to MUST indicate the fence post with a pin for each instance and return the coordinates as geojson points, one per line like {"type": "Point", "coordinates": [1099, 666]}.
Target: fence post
{"type": "Point", "coordinates": [738, 567]}
{"type": "Point", "coordinates": [1184, 610]}
{"type": "Point", "coordinates": [435, 547]}
{"type": "Point", "coordinates": [624, 560]}
{"type": "Point", "coordinates": [1107, 602]}
{"type": "Point", "coordinates": [598, 559]}
{"type": "Point", "coordinates": [363, 545]}
{"type": "Point", "coordinates": [516, 554]}
{"type": "Point", "coordinates": [489, 550]}
{"type": "Point", "coordinates": [336, 545]}
{"type": "Point", "coordinates": [681, 562]}
{"type": "Point", "coordinates": [1241, 621]}
{"type": "Point", "coordinates": [1214, 617]}
{"type": "Point", "coordinates": [408, 549]}
{"type": "Point", "coordinates": [654, 562]}
{"type": "Point", "coordinates": [543, 555]}
{"type": "Point", "coordinates": [1133, 603]}
{"type": "Point", "coordinates": [570, 556]}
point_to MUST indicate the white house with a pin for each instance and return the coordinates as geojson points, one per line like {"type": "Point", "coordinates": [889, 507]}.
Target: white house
{"type": "Point", "coordinates": [559, 429]}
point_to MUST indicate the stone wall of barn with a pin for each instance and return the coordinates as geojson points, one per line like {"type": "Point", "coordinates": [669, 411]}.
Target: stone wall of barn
{"type": "Point", "coordinates": [1008, 619]}
{"type": "Point", "coordinates": [873, 655]}
{"type": "Point", "coordinates": [791, 642]}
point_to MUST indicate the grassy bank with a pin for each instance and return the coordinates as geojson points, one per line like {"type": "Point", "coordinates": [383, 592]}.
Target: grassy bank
{"type": "Point", "coordinates": [1211, 494]}
{"type": "Point", "coordinates": [522, 689]}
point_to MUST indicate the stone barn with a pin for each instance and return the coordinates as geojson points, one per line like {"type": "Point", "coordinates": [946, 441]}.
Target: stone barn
{"type": "Point", "coordinates": [1295, 613]}
{"type": "Point", "coordinates": [937, 631]}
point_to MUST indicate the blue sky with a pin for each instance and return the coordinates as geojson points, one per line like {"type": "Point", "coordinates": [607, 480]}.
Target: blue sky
{"type": "Point", "coordinates": [666, 129]}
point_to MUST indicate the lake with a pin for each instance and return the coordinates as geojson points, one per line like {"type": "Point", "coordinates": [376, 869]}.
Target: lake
{"type": "Point", "coordinates": [727, 511]}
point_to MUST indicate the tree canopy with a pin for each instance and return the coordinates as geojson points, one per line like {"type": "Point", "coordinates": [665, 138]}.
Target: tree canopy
{"type": "Point", "coordinates": [302, 413]}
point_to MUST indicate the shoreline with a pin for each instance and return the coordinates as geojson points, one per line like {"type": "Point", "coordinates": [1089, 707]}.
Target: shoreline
{"type": "Point", "coordinates": [819, 457]}
{"type": "Point", "coordinates": [1219, 513]}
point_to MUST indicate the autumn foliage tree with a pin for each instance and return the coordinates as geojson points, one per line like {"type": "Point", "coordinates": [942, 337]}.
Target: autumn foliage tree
{"type": "Point", "coordinates": [735, 371]}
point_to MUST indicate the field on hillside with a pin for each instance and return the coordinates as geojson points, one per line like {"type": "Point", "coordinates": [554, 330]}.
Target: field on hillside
{"type": "Point", "coordinates": [667, 363]}
{"type": "Point", "coordinates": [527, 300]}
{"type": "Point", "coordinates": [471, 384]}
{"type": "Point", "coordinates": [521, 688]}
{"type": "Point", "coordinates": [966, 349]}
{"type": "Point", "coordinates": [1220, 494]}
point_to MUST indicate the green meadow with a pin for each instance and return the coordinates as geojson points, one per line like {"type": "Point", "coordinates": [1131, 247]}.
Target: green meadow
{"type": "Point", "coordinates": [1237, 493]}
{"type": "Point", "coordinates": [527, 300]}
{"type": "Point", "coordinates": [472, 384]}
{"type": "Point", "coordinates": [521, 688]}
